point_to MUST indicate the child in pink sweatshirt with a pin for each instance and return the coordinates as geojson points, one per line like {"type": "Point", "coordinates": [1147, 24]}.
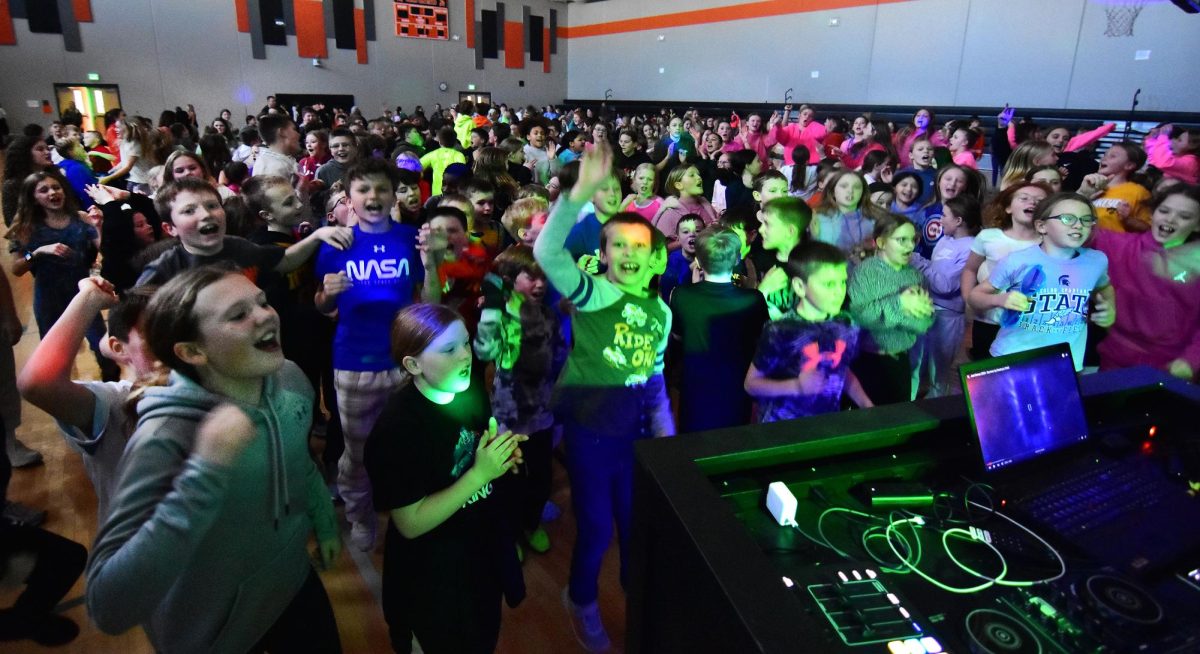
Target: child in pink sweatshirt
{"type": "Point", "coordinates": [1158, 321]}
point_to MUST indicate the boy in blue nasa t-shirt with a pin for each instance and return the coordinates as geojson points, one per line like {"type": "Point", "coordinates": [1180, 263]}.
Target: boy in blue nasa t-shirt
{"type": "Point", "coordinates": [366, 285]}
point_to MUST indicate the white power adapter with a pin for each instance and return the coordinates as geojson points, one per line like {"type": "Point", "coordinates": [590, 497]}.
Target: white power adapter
{"type": "Point", "coordinates": [781, 503]}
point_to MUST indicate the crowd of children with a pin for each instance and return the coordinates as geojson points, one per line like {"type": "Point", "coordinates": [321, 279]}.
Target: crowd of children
{"type": "Point", "coordinates": [435, 303]}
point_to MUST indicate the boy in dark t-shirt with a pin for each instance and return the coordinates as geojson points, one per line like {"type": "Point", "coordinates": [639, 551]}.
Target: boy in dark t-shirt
{"type": "Point", "coordinates": [192, 212]}
{"type": "Point", "coordinates": [716, 325]}
{"type": "Point", "coordinates": [802, 365]}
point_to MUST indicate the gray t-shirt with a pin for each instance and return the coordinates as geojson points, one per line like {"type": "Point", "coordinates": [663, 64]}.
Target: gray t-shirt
{"type": "Point", "coordinates": [102, 448]}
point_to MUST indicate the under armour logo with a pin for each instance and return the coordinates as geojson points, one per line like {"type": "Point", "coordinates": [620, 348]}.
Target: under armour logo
{"type": "Point", "coordinates": [378, 248]}
{"type": "Point", "coordinates": [1181, 277]}
{"type": "Point", "coordinates": [813, 356]}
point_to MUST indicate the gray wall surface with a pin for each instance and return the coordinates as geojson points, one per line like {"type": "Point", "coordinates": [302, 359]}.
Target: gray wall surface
{"type": "Point", "coordinates": [1029, 53]}
{"type": "Point", "coordinates": [164, 53]}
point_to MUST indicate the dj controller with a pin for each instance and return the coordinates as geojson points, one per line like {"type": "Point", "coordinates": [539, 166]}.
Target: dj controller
{"type": "Point", "coordinates": [1090, 611]}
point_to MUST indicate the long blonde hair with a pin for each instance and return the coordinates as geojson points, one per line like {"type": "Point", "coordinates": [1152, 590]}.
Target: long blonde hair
{"type": "Point", "coordinates": [1022, 160]}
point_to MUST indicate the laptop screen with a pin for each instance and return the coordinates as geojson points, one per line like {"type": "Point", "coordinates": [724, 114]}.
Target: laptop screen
{"type": "Point", "coordinates": [1024, 405]}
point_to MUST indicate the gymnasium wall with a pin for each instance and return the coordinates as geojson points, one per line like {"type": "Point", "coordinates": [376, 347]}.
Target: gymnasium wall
{"type": "Point", "coordinates": [164, 53]}
{"type": "Point", "coordinates": [1030, 53]}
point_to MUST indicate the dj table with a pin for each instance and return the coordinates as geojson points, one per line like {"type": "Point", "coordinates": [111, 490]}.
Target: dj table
{"type": "Point", "coordinates": [712, 571]}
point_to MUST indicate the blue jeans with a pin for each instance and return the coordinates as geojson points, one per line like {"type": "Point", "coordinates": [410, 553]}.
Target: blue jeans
{"type": "Point", "coordinates": [601, 472]}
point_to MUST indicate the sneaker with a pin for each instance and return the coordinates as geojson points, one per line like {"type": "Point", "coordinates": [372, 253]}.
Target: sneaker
{"type": "Point", "coordinates": [24, 516]}
{"type": "Point", "coordinates": [550, 512]}
{"type": "Point", "coordinates": [587, 625]}
{"type": "Point", "coordinates": [538, 540]}
{"type": "Point", "coordinates": [22, 456]}
{"type": "Point", "coordinates": [362, 535]}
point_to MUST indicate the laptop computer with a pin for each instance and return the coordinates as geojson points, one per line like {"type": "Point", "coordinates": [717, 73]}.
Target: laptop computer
{"type": "Point", "coordinates": [1027, 414]}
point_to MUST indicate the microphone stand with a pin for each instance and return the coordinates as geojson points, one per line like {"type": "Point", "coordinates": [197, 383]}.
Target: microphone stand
{"type": "Point", "coordinates": [1132, 109]}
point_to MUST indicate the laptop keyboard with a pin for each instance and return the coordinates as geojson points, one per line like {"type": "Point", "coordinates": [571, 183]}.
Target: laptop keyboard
{"type": "Point", "coordinates": [1095, 498]}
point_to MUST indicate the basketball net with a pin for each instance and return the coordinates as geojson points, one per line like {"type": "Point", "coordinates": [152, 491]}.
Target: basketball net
{"type": "Point", "coordinates": [1121, 16]}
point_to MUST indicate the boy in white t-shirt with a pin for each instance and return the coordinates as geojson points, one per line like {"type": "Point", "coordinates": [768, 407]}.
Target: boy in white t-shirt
{"type": "Point", "coordinates": [92, 415]}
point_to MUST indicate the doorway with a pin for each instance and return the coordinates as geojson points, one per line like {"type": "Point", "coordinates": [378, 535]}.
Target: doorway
{"type": "Point", "coordinates": [91, 100]}
{"type": "Point", "coordinates": [477, 97]}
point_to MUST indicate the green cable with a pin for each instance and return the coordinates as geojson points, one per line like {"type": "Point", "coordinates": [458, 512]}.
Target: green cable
{"type": "Point", "coordinates": [913, 566]}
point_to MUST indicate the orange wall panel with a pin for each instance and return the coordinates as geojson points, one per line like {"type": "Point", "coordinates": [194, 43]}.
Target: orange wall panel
{"type": "Point", "coordinates": [469, 12]}
{"type": "Point", "coordinates": [514, 50]}
{"type": "Point", "coordinates": [83, 10]}
{"type": "Point", "coordinates": [243, 15]}
{"type": "Point", "coordinates": [310, 28]}
{"type": "Point", "coordinates": [7, 35]}
{"type": "Point", "coordinates": [360, 35]}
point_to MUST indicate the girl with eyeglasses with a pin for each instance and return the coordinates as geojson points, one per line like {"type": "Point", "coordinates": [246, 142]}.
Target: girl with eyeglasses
{"type": "Point", "coordinates": [1049, 293]}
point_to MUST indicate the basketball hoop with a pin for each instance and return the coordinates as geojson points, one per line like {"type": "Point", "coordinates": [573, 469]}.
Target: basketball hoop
{"type": "Point", "coordinates": [1121, 16]}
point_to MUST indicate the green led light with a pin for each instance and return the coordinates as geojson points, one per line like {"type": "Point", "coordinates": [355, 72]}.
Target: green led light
{"type": "Point", "coordinates": [93, 77]}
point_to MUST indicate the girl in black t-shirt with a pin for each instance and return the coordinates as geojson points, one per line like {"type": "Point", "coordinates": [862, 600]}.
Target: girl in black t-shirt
{"type": "Point", "coordinates": [432, 457]}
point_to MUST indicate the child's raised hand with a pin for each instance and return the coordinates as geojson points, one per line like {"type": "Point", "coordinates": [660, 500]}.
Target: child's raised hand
{"type": "Point", "coordinates": [1005, 116]}
{"type": "Point", "coordinates": [1093, 185]}
{"type": "Point", "coordinates": [334, 284]}
{"type": "Point", "coordinates": [1016, 301]}
{"type": "Point", "coordinates": [595, 168]}
{"type": "Point", "coordinates": [431, 241]}
{"type": "Point", "coordinates": [589, 263]}
{"type": "Point", "coordinates": [223, 435]}
{"type": "Point", "coordinates": [337, 236]}
{"type": "Point", "coordinates": [98, 193]}
{"type": "Point", "coordinates": [100, 291]}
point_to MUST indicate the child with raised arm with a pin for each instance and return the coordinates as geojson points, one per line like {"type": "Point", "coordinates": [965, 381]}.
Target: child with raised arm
{"type": "Point", "coordinates": [1122, 205]}
{"type": "Point", "coordinates": [1159, 321]}
{"type": "Point", "coordinates": [386, 267]}
{"type": "Point", "coordinates": [92, 415]}
{"type": "Point", "coordinates": [802, 364]}
{"type": "Point", "coordinates": [1045, 292]}
{"type": "Point", "coordinates": [206, 541]}
{"type": "Point", "coordinates": [611, 392]}
{"type": "Point", "coordinates": [192, 211]}
{"type": "Point", "coordinates": [1176, 152]}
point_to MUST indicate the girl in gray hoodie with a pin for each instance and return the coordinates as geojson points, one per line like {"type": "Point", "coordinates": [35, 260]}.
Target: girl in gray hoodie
{"type": "Point", "coordinates": [205, 544]}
